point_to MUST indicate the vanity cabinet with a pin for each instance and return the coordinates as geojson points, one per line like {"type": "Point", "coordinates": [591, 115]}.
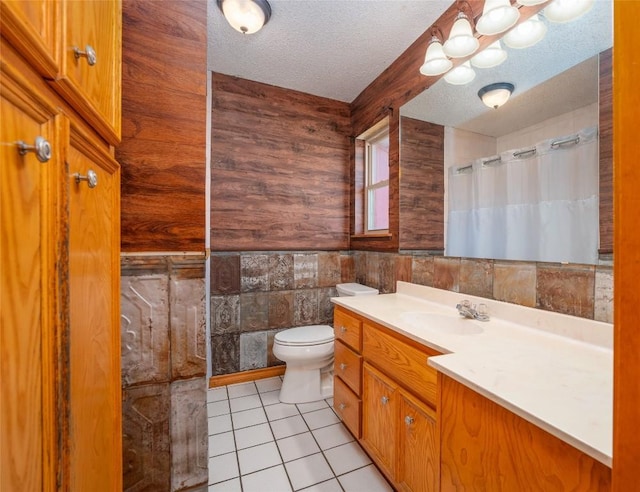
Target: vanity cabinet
{"type": "Point", "coordinates": [60, 193]}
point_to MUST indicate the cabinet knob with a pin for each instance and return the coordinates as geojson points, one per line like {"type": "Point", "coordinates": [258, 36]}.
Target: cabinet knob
{"type": "Point", "coordinates": [343, 366]}
{"type": "Point", "coordinates": [41, 147]}
{"type": "Point", "coordinates": [408, 420]}
{"type": "Point", "coordinates": [343, 329]}
{"type": "Point", "coordinates": [342, 406]}
{"type": "Point", "coordinates": [384, 400]}
{"type": "Point", "coordinates": [91, 178]}
{"type": "Point", "coordinates": [89, 53]}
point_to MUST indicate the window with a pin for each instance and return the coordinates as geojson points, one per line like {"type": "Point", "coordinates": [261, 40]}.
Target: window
{"type": "Point", "coordinates": [376, 190]}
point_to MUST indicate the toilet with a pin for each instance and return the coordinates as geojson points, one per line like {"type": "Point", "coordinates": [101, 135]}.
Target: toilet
{"type": "Point", "coordinates": [308, 354]}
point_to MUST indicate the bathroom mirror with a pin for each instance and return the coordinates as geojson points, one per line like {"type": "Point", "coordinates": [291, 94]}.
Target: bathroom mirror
{"type": "Point", "coordinates": [556, 94]}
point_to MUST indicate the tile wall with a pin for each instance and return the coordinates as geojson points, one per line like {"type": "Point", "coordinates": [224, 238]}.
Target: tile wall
{"type": "Point", "coordinates": [163, 373]}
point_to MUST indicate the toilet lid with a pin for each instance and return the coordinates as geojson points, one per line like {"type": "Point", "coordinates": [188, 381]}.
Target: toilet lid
{"type": "Point", "coordinates": [305, 335]}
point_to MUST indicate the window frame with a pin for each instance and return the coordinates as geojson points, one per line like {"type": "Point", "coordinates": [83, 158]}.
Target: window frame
{"type": "Point", "coordinates": [373, 136]}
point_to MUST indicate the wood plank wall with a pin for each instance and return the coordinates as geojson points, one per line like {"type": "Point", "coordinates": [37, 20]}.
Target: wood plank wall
{"type": "Point", "coordinates": [421, 200]}
{"type": "Point", "coordinates": [606, 152]}
{"type": "Point", "coordinates": [399, 83]}
{"type": "Point", "coordinates": [162, 152]}
{"type": "Point", "coordinates": [280, 172]}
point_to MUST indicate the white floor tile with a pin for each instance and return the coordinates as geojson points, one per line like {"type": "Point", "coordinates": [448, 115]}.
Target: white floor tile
{"type": "Point", "coordinates": [217, 408]}
{"type": "Point", "coordinates": [329, 486]}
{"type": "Point", "coordinates": [310, 407]}
{"type": "Point", "coordinates": [298, 446]}
{"type": "Point", "coordinates": [329, 402]}
{"type": "Point", "coordinates": [252, 436]}
{"type": "Point", "coordinates": [223, 467]}
{"type": "Point", "coordinates": [221, 444]}
{"type": "Point", "coordinates": [288, 427]}
{"type": "Point", "coordinates": [241, 389]}
{"type": "Point", "coordinates": [346, 458]}
{"type": "Point", "coordinates": [232, 485]}
{"type": "Point", "coordinates": [270, 397]}
{"type": "Point", "coordinates": [320, 418]}
{"type": "Point", "coordinates": [367, 478]}
{"type": "Point", "coordinates": [247, 418]}
{"type": "Point", "coordinates": [258, 458]}
{"type": "Point", "coordinates": [269, 384]}
{"type": "Point", "coordinates": [270, 480]}
{"type": "Point", "coordinates": [245, 403]}
{"type": "Point", "coordinates": [217, 394]}
{"type": "Point", "coordinates": [219, 424]}
{"type": "Point", "coordinates": [280, 411]}
{"type": "Point", "coordinates": [308, 471]}
{"type": "Point", "coordinates": [332, 436]}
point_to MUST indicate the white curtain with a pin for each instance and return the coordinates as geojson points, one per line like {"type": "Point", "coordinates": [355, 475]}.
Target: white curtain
{"type": "Point", "coordinates": [536, 206]}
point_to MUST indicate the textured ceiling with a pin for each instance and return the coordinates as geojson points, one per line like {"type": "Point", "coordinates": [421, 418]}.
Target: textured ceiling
{"type": "Point", "coordinates": [336, 48]}
{"type": "Point", "coordinates": [330, 48]}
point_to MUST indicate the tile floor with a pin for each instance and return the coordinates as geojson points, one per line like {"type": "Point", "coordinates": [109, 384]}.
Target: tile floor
{"type": "Point", "coordinates": [258, 444]}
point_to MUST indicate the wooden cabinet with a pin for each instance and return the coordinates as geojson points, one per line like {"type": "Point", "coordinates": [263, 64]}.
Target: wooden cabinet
{"type": "Point", "coordinates": [487, 447]}
{"type": "Point", "coordinates": [60, 339]}
{"type": "Point", "coordinates": [348, 369]}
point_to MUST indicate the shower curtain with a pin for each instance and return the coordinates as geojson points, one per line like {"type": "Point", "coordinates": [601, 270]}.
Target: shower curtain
{"type": "Point", "coordinates": [537, 204]}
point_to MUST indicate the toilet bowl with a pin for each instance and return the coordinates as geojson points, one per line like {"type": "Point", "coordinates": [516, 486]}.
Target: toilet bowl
{"type": "Point", "coordinates": [308, 354]}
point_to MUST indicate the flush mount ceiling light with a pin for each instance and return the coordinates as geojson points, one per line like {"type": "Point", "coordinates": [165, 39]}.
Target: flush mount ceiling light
{"type": "Point", "coordinates": [495, 95]}
{"type": "Point", "coordinates": [526, 33]}
{"type": "Point", "coordinates": [435, 61]}
{"type": "Point", "coordinates": [492, 56]}
{"type": "Point", "coordinates": [567, 10]}
{"type": "Point", "coordinates": [461, 75]}
{"type": "Point", "coordinates": [461, 42]}
{"type": "Point", "coordinates": [497, 16]}
{"type": "Point", "coordinates": [246, 16]}
{"type": "Point", "coordinates": [529, 3]}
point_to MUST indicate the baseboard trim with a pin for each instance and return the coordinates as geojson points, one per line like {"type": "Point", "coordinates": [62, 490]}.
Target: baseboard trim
{"type": "Point", "coordinates": [245, 376]}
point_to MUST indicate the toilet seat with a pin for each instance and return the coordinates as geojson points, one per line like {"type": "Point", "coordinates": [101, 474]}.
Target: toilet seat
{"type": "Point", "coordinates": [305, 335]}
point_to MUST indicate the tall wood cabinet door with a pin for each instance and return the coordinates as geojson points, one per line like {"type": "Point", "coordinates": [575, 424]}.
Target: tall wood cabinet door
{"type": "Point", "coordinates": [379, 418]}
{"type": "Point", "coordinates": [29, 25]}
{"type": "Point", "coordinates": [28, 252]}
{"type": "Point", "coordinates": [95, 407]}
{"type": "Point", "coordinates": [92, 85]}
{"type": "Point", "coordinates": [418, 455]}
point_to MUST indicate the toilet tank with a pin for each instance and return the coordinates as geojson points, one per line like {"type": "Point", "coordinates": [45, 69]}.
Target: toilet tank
{"type": "Point", "coordinates": [353, 289]}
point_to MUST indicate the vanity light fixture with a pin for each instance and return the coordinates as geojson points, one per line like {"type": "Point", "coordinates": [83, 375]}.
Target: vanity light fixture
{"type": "Point", "coordinates": [461, 75]}
{"type": "Point", "coordinates": [495, 95]}
{"type": "Point", "coordinates": [435, 61]}
{"type": "Point", "coordinates": [526, 34]}
{"type": "Point", "coordinates": [492, 56]}
{"type": "Point", "coordinates": [567, 10]}
{"type": "Point", "coordinates": [461, 42]}
{"type": "Point", "coordinates": [497, 16]}
{"type": "Point", "coordinates": [246, 16]}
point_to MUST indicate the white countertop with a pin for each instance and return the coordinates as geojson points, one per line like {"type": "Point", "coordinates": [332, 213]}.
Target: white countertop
{"type": "Point", "coordinates": [554, 370]}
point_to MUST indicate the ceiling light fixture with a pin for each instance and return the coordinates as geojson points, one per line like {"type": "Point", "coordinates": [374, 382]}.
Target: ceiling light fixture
{"type": "Point", "coordinates": [530, 3]}
{"type": "Point", "coordinates": [461, 75]}
{"type": "Point", "coordinates": [495, 95]}
{"type": "Point", "coordinates": [526, 34]}
{"type": "Point", "coordinates": [246, 16]}
{"type": "Point", "coordinates": [461, 42]}
{"type": "Point", "coordinates": [567, 10]}
{"type": "Point", "coordinates": [497, 16]}
{"type": "Point", "coordinates": [492, 56]}
{"type": "Point", "coordinates": [435, 61]}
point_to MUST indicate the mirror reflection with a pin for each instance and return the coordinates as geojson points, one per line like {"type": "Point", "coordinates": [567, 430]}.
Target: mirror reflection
{"type": "Point", "coordinates": [542, 203]}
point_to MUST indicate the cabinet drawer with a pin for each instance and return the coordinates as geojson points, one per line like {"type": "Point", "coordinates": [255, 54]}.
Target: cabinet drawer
{"type": "Point", "coordinates": [347, 405]}
{"type": "Point", "coordinates": [348, 365]}
{"type": "Point", "coordinates": [402, 361]}
{"type": "Point", "coordinates": [348, 329]}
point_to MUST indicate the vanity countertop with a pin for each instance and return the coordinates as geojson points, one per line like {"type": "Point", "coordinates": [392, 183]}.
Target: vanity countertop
{"type": "Point", "coordinates": [554, 370]}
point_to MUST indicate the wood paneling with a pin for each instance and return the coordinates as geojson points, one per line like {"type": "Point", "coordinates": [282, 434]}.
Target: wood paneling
{"type": "Point", "coordinates": [163, 125]}
{"type": "Point", "coordinates": [485, 447]}
{"type": "Point", "coordinates": [606, 151]}
{"type": "Point", "coordinates": [626, 101]}
{"type": "Point", "coordinates": [280, 169]}
{"type": "Point", "coordinates": [421, 185]}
